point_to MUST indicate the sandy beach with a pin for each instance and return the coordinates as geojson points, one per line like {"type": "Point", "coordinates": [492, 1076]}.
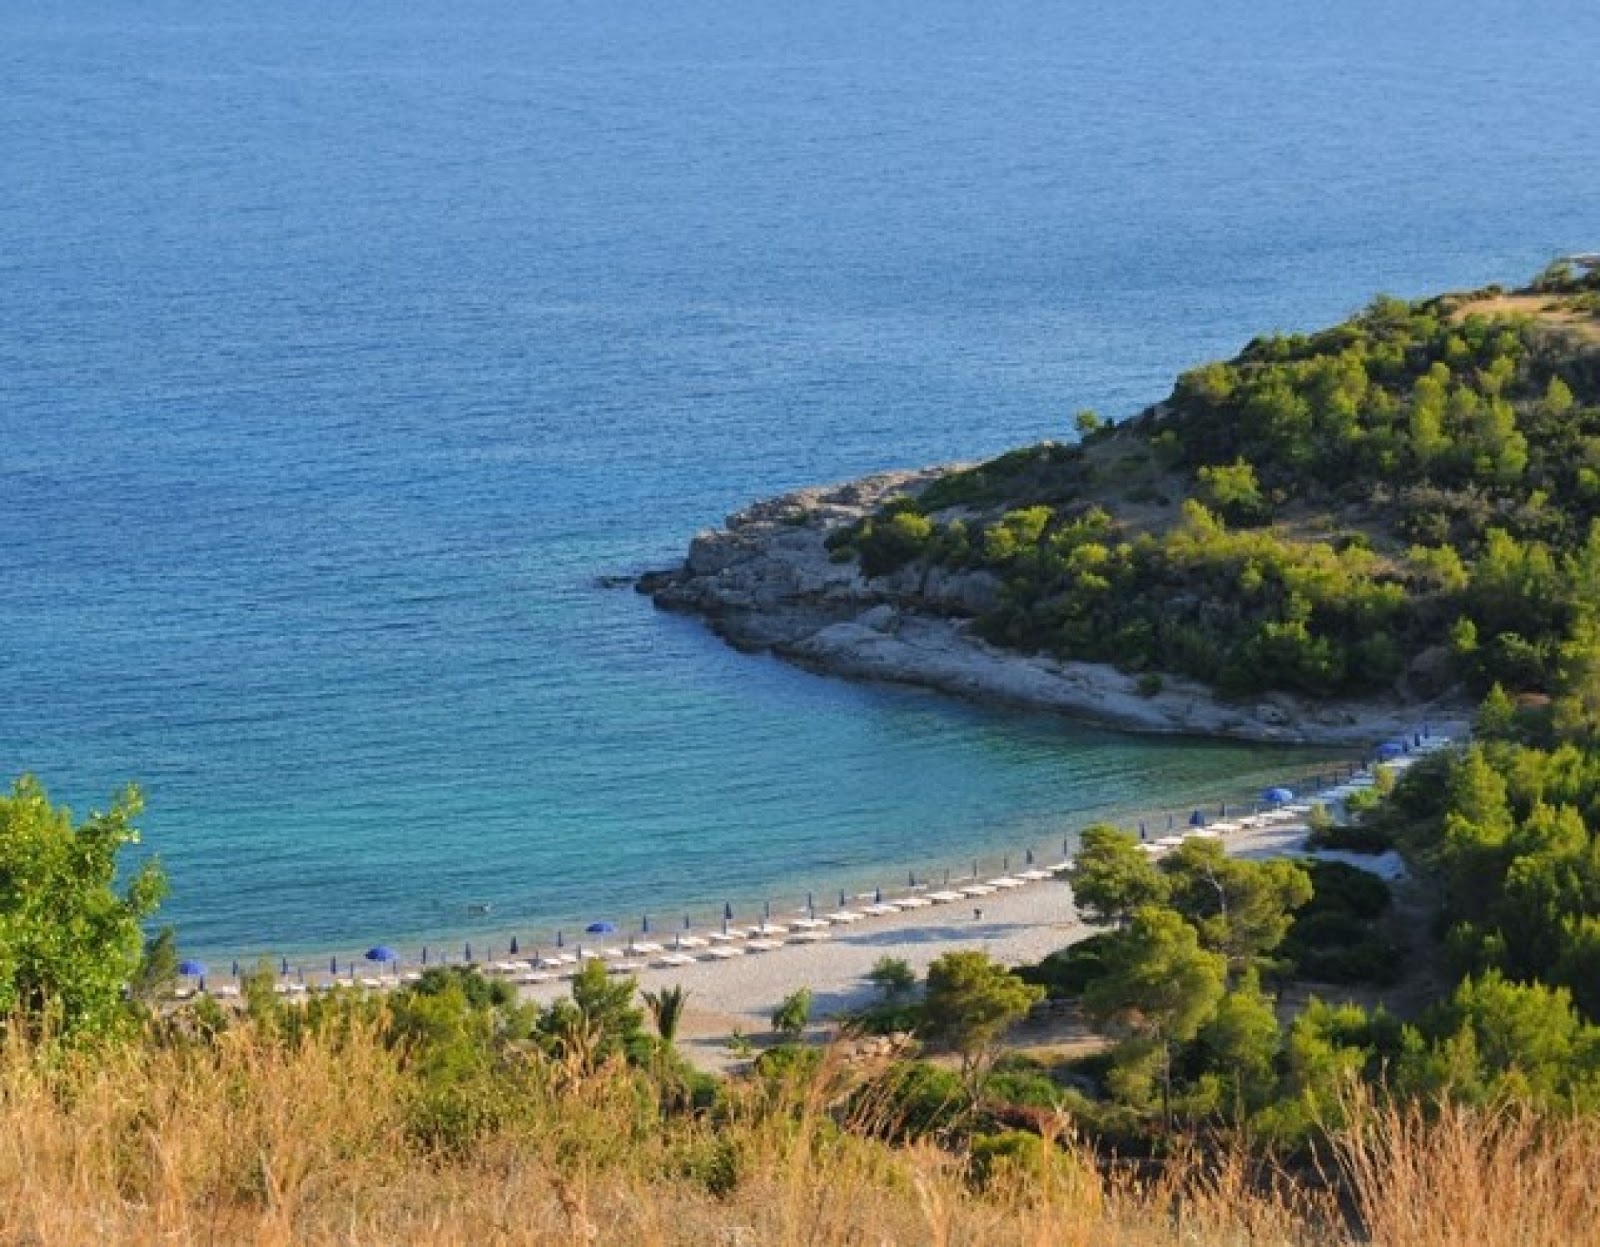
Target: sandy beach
{"type": "Point", "coordinates": [1016, 926]}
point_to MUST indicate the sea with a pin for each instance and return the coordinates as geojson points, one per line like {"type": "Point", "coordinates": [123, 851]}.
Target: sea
{"type": "Point", "coordinates": [351, 353]}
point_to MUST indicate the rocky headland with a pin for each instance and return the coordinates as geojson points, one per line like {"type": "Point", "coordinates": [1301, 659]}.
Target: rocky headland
{"type": "Point", "coordinates": [767, 581]}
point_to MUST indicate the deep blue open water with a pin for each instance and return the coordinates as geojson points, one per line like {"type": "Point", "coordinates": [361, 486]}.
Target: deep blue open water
{"type": "Point", "coordinates": [343, 347]}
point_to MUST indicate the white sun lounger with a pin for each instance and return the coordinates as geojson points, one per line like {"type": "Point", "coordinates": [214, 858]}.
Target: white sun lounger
{"type": "Point", "coordinates": [880, 910]}
{"type": "Point", "coordinates": [676, 959]}
{"type": "Point", "coordinates": [808, 924]}
{"type": "Point", "coordinates": [809, 937]}
{"type": "Point", "coordinates": [978, 889]}
{"type": "Point", "coordinates": [690, 941]}
{"type": "Point", "coordinates": [724, 951]}
{"type": "Point", "coordinates": [943, 898]}
{"type": "Point", "coordinates": [763, 946]}
{"type": "Point", "coordinates": [844, 916]}
{"type": "Point", "coordinates": [1006, 881]}
{"type": "Point", "coordinates": [914, 902]}
{"type": "Point", "coordinates": [1034, 876]}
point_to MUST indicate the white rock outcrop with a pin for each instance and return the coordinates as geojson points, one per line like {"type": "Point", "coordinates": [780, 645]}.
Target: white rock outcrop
{"type": "Point", "coordinates": [767, 581]}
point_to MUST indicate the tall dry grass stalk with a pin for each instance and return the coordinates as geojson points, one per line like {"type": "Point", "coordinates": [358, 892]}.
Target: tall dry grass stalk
{"type": "Point", "coordinates": [1464, 1177]}
{"type": "Point", "coordinates": [250, 1141]}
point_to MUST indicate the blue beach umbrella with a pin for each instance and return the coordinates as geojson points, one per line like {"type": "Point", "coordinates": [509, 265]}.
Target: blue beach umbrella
{"type": "Point", "coordinates": [1029, 857]}
{"type": "Point", "coordinates": [1197, 819]}
{"type": "Point", "coordinates": [466, 953]}
{"type": "Point", "coordinates": [514, 948]}
{"type": "Point", "coordinates": [1278, 796]}
{"type": "Point", "coordinates": [424, 954]}
{"type": "Point", "coordinates": [1390, 750]}
{"type": "Point", "coordinates": [877, 896]}
{"type": "Point", "coordinates": [727, 911]}
{"type": "Point", "coordinates": [382, 952]}
{"type": "Point", "coordinates": [235, 969]}
{"type": "Point", "coordinates": [686, 923]}
{"type": "Point", "coordinates": [333, 965]}
{"type": "Point", "coordinates": [1143, 834]}
{"type": "Point", "coordinates": [644, 925]}
{"type": "Point", "coordinates": [601, 928]}
{"type": "Point", "coordinates": [841, 898]}
{"type": "Point", "coordinates": [766, 911]}
{"type": "Point", "coordinates": [1224, 813]}
{"type": "Point", "coordinates": [558, 937]}
{"type": "Point", "coordinates": [190, 968]}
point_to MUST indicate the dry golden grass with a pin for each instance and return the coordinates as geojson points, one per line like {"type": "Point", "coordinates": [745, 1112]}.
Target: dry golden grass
{"type": "Point", "coordinates": [251, 1142]}
{"type": "Point", "coordinates": [1554, 311]}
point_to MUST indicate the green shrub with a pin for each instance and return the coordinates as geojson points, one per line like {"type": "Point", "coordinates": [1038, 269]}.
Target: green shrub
{"type": "Point", "coordinates": [1340, 887]}
{"type": "Point", "coordinates": [1066, 973]}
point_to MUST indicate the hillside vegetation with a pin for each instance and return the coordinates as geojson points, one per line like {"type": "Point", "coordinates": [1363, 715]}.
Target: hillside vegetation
{"type": "Point", "coordinates": [1254, 1069]}
{"type": "Point", "coordinates": [1404, 500]}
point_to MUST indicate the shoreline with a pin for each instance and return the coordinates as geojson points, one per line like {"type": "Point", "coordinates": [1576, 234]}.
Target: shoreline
{"type": "Point", "coordinates": [735, 993]}
{"type": "Point", "coordinates": [766, 582]}
{"type": "Point", "coordinates": [488, 934]}
{"type": "Point", "coordinates": [736, 977]}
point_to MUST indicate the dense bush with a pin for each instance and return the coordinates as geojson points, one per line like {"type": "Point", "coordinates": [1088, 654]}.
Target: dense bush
{"type": "Point", "coordinates": [1464, 449]}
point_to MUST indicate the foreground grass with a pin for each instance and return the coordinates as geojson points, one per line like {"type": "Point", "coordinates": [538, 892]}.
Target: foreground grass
{"type": "Point", "coordinates": [251, 1140]}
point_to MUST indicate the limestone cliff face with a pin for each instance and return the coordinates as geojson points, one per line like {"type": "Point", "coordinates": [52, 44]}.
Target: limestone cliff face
{"type": "Point", "coordinates": [767, 581]}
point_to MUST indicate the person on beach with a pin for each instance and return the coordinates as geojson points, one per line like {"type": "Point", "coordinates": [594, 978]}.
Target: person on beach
{"type": "Point", "coordinates": [977, 914]}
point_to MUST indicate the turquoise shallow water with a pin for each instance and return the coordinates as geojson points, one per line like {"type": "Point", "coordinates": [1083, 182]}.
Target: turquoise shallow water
{"type": "Point", "coordinates": [342, 351]}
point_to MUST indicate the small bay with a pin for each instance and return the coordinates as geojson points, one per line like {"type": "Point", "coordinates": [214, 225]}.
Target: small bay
{"type": "Point", "coordinates": [343, 352]}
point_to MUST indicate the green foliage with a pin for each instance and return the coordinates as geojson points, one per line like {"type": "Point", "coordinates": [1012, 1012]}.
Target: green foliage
{"type": "Point", "coordinates": [1496, 1039]}
{"type": "Point", "coordinates": [71, 944]}
{"type": "Point", "coordinates": [793, 1013]}
{"type": "Point", "coordinates": [893, 977]}
{"type": "Point", "coordinates": [1240, 1043]}
{"type": "Point", "coordinates": [913, 1100]}
{"type": "Point", "coordinates": [1069, 972]}
{"type": "Point", "coordinates": [1239, 908]}
{"type": "Point", "coordinates": [158, 967]}
{"type": "Point", "coordinates": [971, 1002]}
{"type": "Point", "coordinates": [1464, 450]}
{"type": "Point", "coordinates": [889, 541]}
{"type": "Point", "coordinates": [1232, 491]}
{"type": "Point", "coordinates": [598, 1024]}
{"type": "Point", "coordinates": [1015, 1158]}
{"type": "Point", "coordinates": [666, 1011]}
{"type": "Point", "coordinates": [1336, 937]}
{"type": "Point", "coordinates": [1157, 989]}
{"type": "Point", "coordinates": [1111, 876]}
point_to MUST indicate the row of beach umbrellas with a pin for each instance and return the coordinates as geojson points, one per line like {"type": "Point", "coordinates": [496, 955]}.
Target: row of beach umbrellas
{"type": "Point", "coordinates": [382, 954]}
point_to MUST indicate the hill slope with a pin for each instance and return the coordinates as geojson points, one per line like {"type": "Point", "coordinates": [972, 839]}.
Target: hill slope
{"type": "Point", "coordinates": [1331, 533]}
